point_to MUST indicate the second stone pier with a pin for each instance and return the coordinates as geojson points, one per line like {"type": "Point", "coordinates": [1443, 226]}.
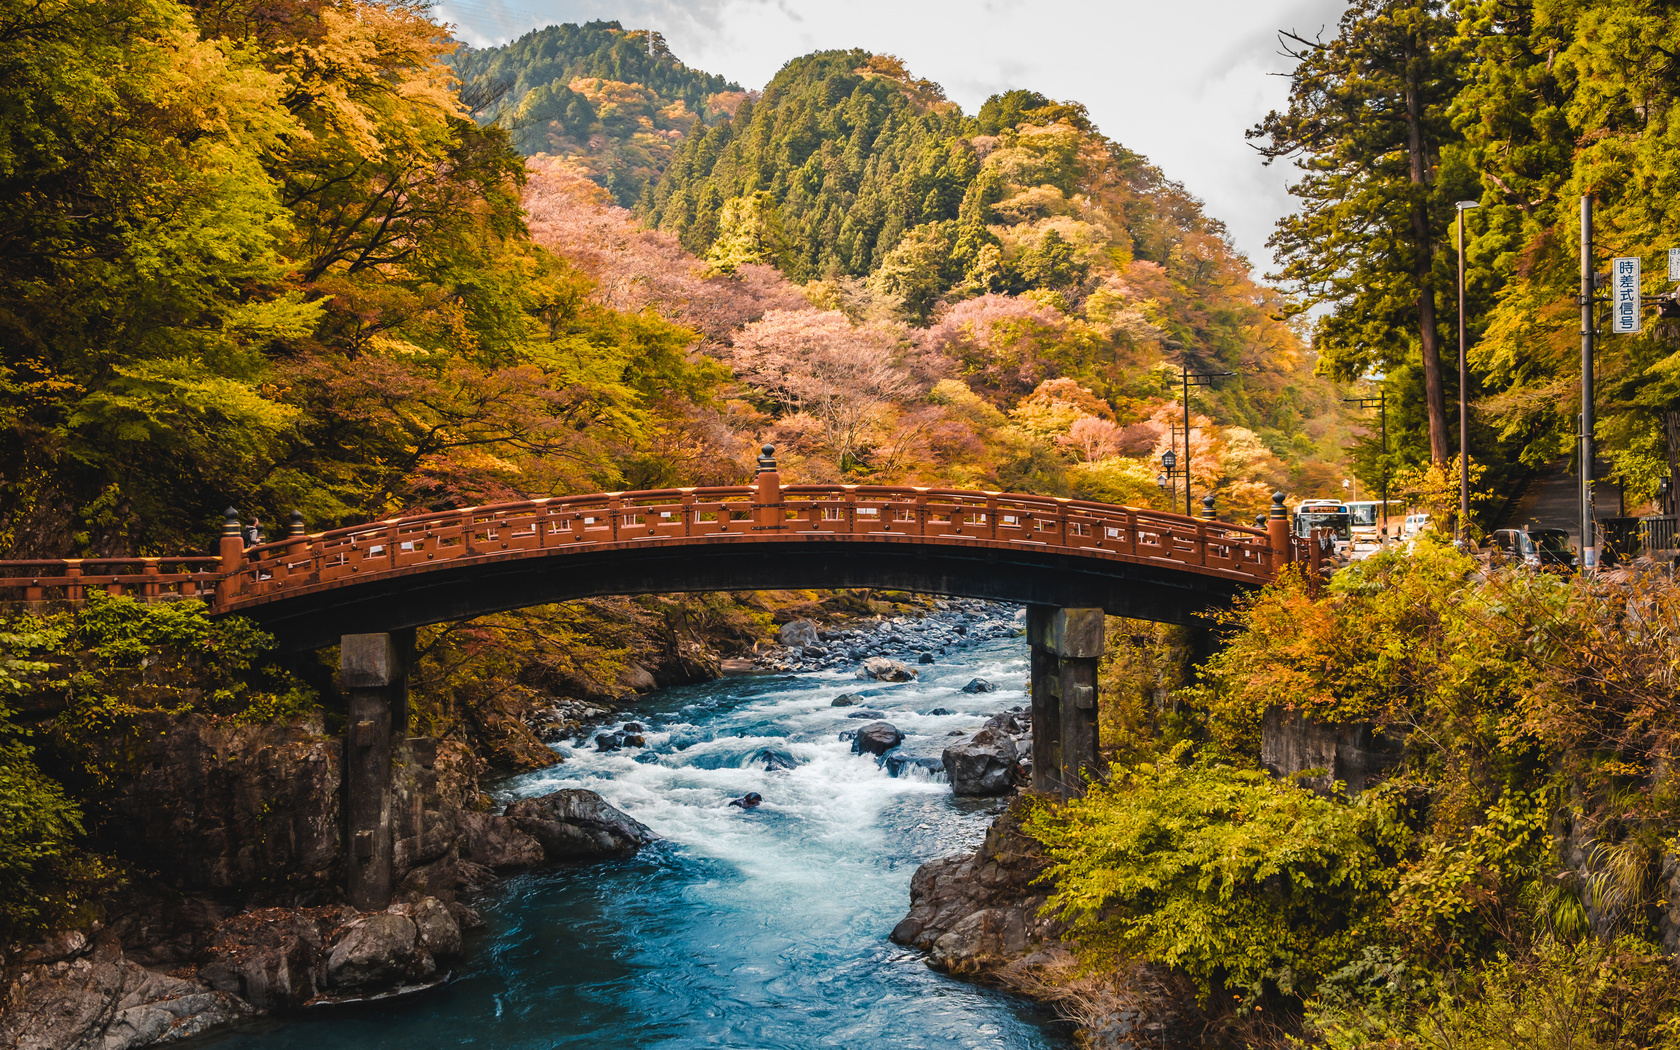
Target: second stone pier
{"type": "Point", "coordinates": [1066, 646]}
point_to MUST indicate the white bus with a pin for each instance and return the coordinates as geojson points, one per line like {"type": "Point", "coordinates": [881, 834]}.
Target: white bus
{"type": "Point", "coordinates": [1367, 515]}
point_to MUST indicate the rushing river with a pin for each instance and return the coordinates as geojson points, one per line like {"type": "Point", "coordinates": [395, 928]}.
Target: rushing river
{"type": "Point", "coordinates": [762, 929]}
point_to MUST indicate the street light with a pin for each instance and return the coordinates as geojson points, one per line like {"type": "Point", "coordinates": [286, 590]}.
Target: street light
{"type": "Point", "coordinates": [1170, 475]}
{"type": "Point", "coordinates": [1463, 391]}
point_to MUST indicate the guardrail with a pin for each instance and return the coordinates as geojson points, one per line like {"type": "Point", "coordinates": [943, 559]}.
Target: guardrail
{"type": "Point", "coordinates": [765, 512]}
{"type": "Point", "coordinates": [1656, 533]}
{"type": "Point", "coordinates": [741, 514]}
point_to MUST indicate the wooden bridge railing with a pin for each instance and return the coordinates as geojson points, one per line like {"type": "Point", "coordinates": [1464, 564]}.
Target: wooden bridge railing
{"type": "Point", "coordinates": [765, 512]}
{"type": "Point", "coordinates": [71, 579]}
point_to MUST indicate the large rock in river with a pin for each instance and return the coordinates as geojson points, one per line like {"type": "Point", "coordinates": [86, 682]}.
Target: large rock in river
{"type": "Point", "coordinates": [377, 953]}
{"type": "Point", "coordinates": [876, 738]}
{"type": "Point", "coordinates": [884, 670]}
{"type": "Point", "coordinates": [982, 765]}
{"type": "Point", "coordinates": [498, 843]}
{"type": "Point", "coordinates": [798, 634]}
{"type": "Point", "coordinates": [575, 824]}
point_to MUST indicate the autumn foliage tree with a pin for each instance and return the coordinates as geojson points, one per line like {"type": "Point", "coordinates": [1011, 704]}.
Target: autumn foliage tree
{"type": "Point", "coordinates": [816, 363]}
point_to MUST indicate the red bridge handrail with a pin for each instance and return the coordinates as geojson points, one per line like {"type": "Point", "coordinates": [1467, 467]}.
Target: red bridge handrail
{"type": "Point", "coordinates": [765, 512]}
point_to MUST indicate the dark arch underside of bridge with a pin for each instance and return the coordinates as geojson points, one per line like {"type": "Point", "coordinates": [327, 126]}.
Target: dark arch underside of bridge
{"type": "Point", "coordinates": [319, 617]}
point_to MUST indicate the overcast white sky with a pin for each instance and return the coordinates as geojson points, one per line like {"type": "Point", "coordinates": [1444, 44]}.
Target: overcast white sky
{"type": "Point", "coordinates": [1178, 82]}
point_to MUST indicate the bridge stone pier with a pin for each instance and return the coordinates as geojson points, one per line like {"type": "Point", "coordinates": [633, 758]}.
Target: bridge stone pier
{"type": "Point", "coordinates": [1066, 645]}
{"type": "Point", "coordinates": [373, 670]}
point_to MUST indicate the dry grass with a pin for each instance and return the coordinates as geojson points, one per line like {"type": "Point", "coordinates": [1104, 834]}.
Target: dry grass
{"type": "Point", "coordinates": [1135, 1007]}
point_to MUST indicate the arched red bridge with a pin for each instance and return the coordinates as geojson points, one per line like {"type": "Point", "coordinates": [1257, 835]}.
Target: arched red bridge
{"type": "Point", "coordinates": [365, 586]}
{"type": "Point", "coordinates": [309, 589]}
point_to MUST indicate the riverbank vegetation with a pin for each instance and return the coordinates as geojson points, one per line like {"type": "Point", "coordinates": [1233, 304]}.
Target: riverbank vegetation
{"type": "Point", "coordinates": [79, 694]}
{"type": "Point", "coordinates": [1510, 868]}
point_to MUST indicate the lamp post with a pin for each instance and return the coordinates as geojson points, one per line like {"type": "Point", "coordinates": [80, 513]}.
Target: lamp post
{"type": "Point", "coordinates": [1589, 526]}
{"type": "Point", "coordinates": [1380, 403]}
{"type": "Point", "coordinates": [1463, 391]}
{"type": "Point", "coordinates": [1170, 474]}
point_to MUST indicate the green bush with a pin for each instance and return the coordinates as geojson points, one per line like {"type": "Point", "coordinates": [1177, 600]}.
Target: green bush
{"type": "Point", "coordinates": [1588, 995]}
{"type": "Point", "coordinates": [1239, 881]}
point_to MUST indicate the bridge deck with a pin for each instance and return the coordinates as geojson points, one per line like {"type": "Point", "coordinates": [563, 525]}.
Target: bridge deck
{"type": "Point", "coordinates": [765, 516]}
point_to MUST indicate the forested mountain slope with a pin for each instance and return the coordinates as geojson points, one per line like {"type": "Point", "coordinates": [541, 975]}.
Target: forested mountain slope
{"type": "Point", "coordinates": [614, 100]}
{"type": "Point", "coordinates": [852, 172]}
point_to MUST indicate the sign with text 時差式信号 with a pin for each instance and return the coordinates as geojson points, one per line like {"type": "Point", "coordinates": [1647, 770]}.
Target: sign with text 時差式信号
{"type": "Point", "coordinates": [1624, 294]}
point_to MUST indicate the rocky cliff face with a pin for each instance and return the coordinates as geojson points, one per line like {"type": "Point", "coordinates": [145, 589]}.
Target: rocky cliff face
{"type": "Point", "coordinates": [248, 812]}
{"type": "Point", "coordinates": [1357, 755]}
{"type": "Point", "coordinates": [981, 916]}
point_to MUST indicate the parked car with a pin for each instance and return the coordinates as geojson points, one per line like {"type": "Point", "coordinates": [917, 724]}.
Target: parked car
{"type": "Point", "coordinates": [1536, 548]}
{"type": "Point", "coordinates": [1415, 523]}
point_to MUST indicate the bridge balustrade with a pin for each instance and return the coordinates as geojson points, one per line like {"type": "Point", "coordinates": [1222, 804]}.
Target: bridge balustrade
{"type": "Point", "coordinates": [73, 579]}
{"type": "Point", "coordinates": [740, 513]}
{"type": "Point", "coordinates": [765, 512]}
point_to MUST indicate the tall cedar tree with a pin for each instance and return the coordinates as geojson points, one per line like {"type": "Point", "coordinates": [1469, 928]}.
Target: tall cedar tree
{"type": "Point", "coordinates": [1366, 124]}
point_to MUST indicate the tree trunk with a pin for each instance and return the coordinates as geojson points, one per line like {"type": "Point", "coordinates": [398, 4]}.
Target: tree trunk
{"type": "Point", "coordinates": [1429, 337]}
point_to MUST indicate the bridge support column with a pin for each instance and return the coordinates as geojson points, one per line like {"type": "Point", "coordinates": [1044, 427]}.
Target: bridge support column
{"type": "Point", "coordinates": [1066, 646]}
{"type": "Point", "coordinates": [373, 670]}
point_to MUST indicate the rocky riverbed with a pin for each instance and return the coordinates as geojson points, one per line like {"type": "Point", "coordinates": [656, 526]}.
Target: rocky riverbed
{"type": "Point", "coordinates": [922, 713]}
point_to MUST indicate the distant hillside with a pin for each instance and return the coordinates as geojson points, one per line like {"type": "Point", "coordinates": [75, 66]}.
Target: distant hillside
{"type": "Point", "coordinates": [614, 100]}
{"type": "Point", "coordinates": [850, 170]}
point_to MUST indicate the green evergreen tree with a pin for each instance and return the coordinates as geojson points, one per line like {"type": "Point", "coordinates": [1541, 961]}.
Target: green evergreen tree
{"type": "Point", "coordinates": [1367, 124]}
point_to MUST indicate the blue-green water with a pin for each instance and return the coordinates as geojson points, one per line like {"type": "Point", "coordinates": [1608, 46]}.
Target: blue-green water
{"type": "Point", "coordinates": [741, 929]}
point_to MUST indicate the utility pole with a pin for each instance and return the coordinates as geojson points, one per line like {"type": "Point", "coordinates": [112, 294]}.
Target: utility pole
{"type": "Point", "coordinates": [1589, 531]}
{"type": "Point", "coordinates": [1463, 392]}
{"type": "Point", "coordinates": [1190, 379]}
{"type": "Point", "coordinates": [1380, 403]}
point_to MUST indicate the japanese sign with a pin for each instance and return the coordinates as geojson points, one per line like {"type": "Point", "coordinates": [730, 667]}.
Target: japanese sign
{"type": "Point", "coordinates": [1624, 294]}
{"type": "Point", "coordinates": [1674, 264]}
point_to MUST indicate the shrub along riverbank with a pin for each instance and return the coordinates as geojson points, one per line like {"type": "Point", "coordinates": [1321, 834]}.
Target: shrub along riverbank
{"type": "Point", "coordinates": [1506, 881]}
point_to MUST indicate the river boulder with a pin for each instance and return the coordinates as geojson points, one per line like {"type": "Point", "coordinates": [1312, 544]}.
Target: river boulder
{"type": "Point", "coordinates": [388, 950]}
{"type": "Point", "coordinates": [372, 951]}
{"type": "Point", "coordinates": [896, 765]}
{"type": "Point", "coordinates": [980, 685]}
{"type": "Point", "coordinates": [498, 843]}
{"type": "Point", "coordinates": [798, 634]}
{"type": "Point", "coordinates": [876, 738]}
{"type": "Point", "coordinates": [575, 824]}
{"type": "Point", "coordinates": [982, 765]}
{"type": "Point", "coordinates": [774, 760]}
{"type": "Point", "coordinates": [846, 700]}
{"type": "Point", "coordinates": [884, 670]}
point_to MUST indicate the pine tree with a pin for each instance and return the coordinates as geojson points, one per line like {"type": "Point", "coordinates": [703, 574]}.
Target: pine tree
{"type": "Point", "coordinates": [1367, 124]}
